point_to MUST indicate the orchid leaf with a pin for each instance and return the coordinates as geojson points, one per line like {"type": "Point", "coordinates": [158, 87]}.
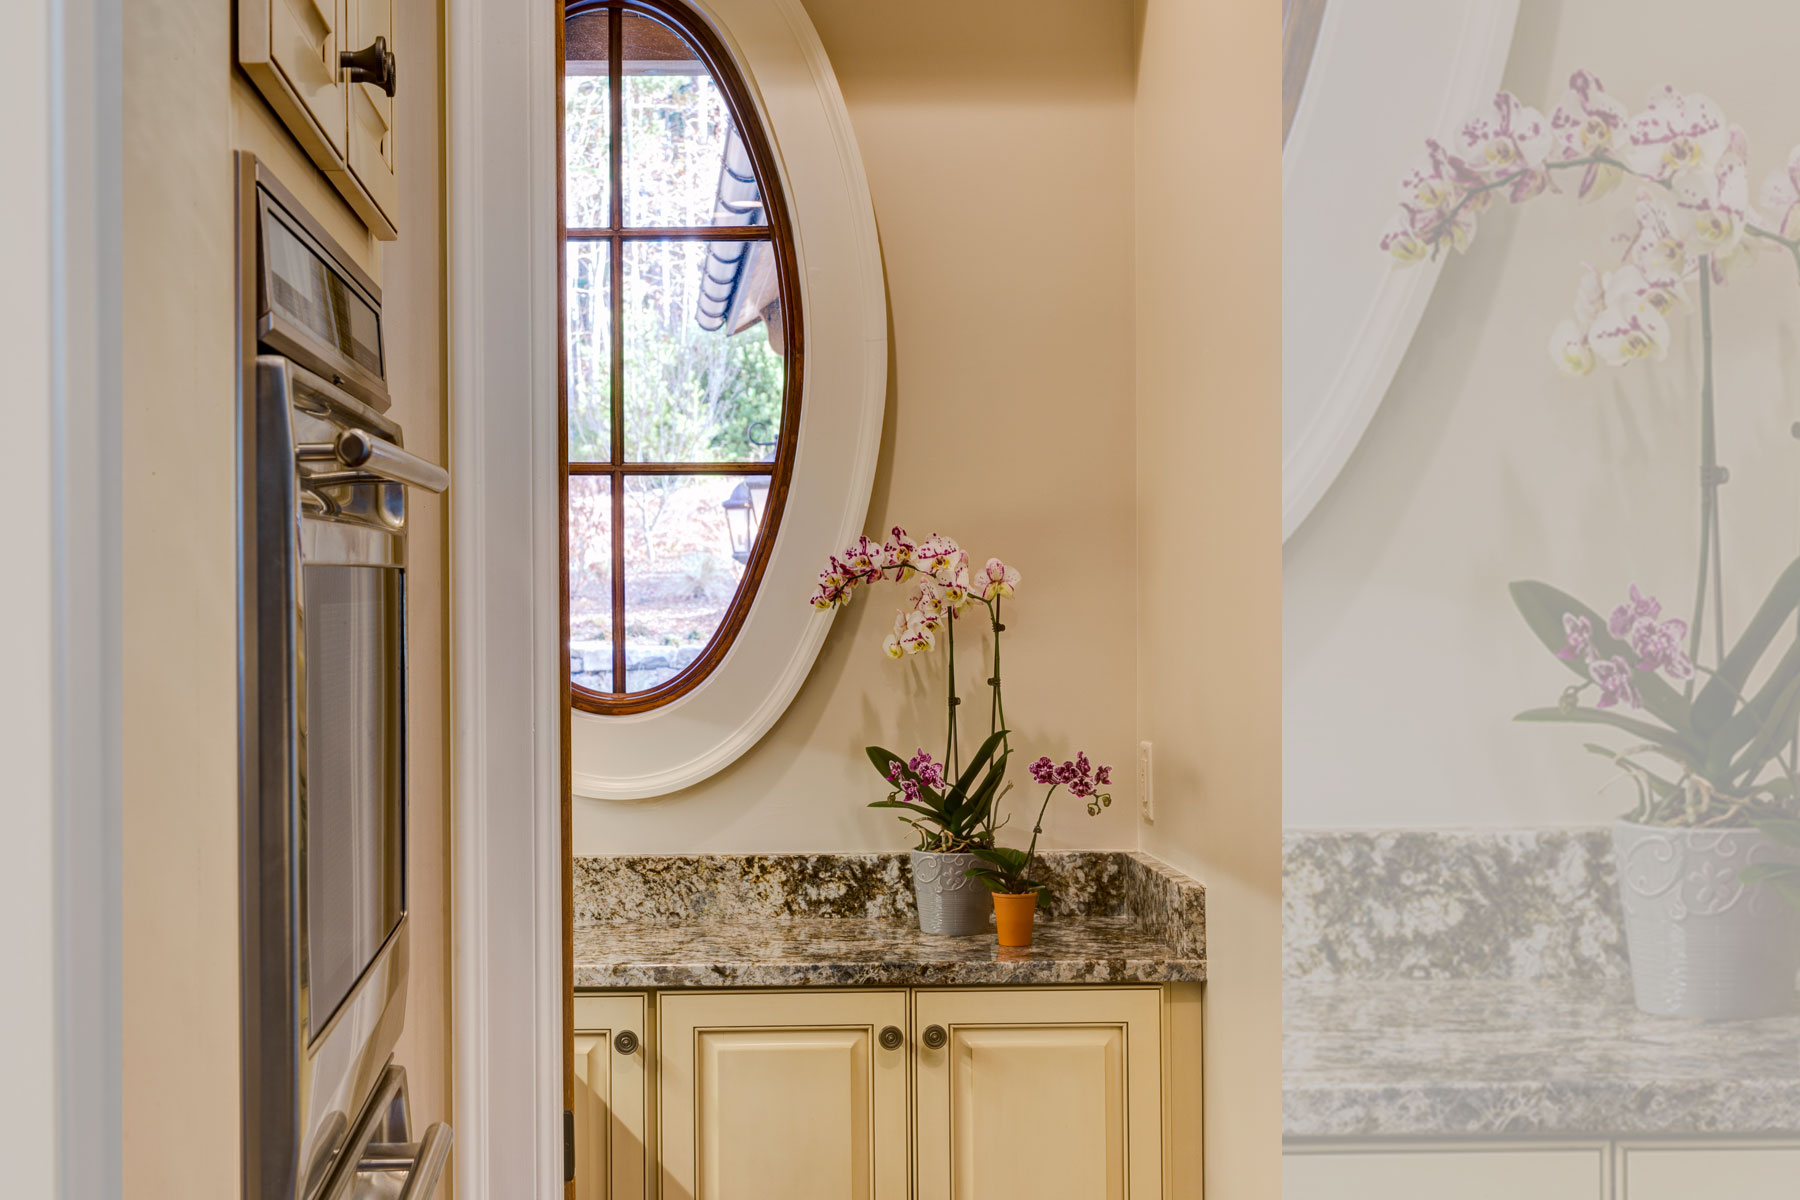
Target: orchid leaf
{"type": "Point", "coordinates": [1676, 745]}
{"type": "Point", "coordinates": [980, 761]}
{"type": "Point", "coordinates": [1752, 721]}
{"type": "Point", "coordinates": [1783, 877]}
{"type": "Point", "coordinates": [1715, 702]}
{"type": "Point", "coordinates": [1776, 731]}
{"type": "Point", "coordinates": [1543, 607]}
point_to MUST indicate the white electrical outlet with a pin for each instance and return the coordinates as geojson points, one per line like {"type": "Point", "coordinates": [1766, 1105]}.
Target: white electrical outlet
{"type": "Point", "coordinates": [1146, 798]}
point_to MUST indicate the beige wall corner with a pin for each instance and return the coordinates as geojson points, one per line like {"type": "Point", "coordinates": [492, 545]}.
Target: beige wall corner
{"type": "Point", "coordinates": [1208, 319]}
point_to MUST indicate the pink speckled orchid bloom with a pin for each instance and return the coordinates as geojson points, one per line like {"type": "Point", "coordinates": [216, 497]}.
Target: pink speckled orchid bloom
{"type": "Point", "coordinates": [1578, 633]}
{"type": "Point", "coordinates": [1511, 142]}
{"type": "Point", "coordinates": [1613, 675]}
{"type": "Point", "coordinates": [997, 579]}
{"type": "Point", "coordinates": [1675, 133]}
{"type": "Point", "coordinates": [1638, 608]}
{"type": "Point", "coordinates": [935, 553]}
{"type": "Point", "coordinates": [1658, 647]}
{"type": "Point", "coordinates": [954, 580]}
{"type": "Point", "coordinates": [1781, 198]}
{"type": "Point", "coordinates": [897, 554]}
{"type": "Point", "coordinates": [1587, 124]}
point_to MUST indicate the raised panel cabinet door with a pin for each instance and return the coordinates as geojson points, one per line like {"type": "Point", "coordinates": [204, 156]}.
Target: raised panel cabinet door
{"type": "Point", "coordinates": [1567, 1172]}
{"type": "Point", "coordinates": [1738, 1170]}
{"type": "Point", "coordinates": [613, 1146]}
{"type": "Point", "coordinates": [781, 1095]}
{"type": "Point", "coordinates": [371, 122]}
{"type": "Point", "coordinates": [290, 49]}
{"type": "Point", "coordinates": [1043, 1092]}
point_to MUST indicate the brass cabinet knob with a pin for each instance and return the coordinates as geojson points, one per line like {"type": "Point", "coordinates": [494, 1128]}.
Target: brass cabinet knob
{"type": "Point", "coordinates": [891, 1037]}
{"type": "Point", "coordinates": [626, 1042]}
{"type": "Point", "coordinates": [935, 1037]}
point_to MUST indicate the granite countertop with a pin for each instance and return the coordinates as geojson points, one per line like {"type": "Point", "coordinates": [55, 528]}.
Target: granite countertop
{"type": "Point", "coordinates": [1481, 1058]}
{"type": "Point", "coordinates": [848, 921]}
{"type": "Point", "coordinates": [859, 952]}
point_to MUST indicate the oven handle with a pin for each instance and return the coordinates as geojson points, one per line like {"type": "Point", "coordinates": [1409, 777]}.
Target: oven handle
{"type": "Point", "coordinates": [374, 458]}
{"type": "Point", "coordinates": [423, 1163]}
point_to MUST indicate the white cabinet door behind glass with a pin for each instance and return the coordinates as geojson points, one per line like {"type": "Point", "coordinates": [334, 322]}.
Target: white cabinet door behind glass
{"type": "Point", "coordinates": [613, 1147]}
{"type": "Point", "coordinates": [782, 1095]}
{"type": "Point", "coordinates": [1572, 1172]}
{"type": "Point", "coordinates": [1050, 1093]}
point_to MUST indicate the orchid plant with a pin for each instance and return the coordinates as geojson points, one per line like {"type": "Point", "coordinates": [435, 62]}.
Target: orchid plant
{"type": "Point", "coordinates": [951, 806]}
{"type": "Point", "coordinates": [1707, 748]}
{"type": "Point", "coordinates": [1009, 871]}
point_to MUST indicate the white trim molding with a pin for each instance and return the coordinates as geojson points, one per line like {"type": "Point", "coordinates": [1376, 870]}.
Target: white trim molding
{"type": "Point", "coordinates": [843, 301]}
{"type": "Point", "coordinates": [60, 335]}
{"type": "Point", "coordinates": [1383, 77]}
{"type": "Point", "coordinates": [505, 574]}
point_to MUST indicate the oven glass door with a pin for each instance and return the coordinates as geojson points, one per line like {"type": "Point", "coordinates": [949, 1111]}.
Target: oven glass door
{"type": "Point", "coordinates": [352, 786]}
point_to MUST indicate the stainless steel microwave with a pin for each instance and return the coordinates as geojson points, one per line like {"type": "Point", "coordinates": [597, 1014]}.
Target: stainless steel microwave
{"type": "Point", "coordinates": [322, 606]}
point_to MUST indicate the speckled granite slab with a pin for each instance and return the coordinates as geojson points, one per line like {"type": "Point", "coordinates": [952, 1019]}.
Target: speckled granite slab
{"type": "Point", "coordinates": [1486, 1058]}
{"type": "Point", "coordinates": [1493, 904]}
{"type": "Point", "coordinates": [773, 920]}
{"type": "Point", "coordinates": [839, 952]}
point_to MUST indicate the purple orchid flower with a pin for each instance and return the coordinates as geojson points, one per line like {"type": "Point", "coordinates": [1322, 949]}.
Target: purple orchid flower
{"type": "Point", "coordinates": [1614, 677]}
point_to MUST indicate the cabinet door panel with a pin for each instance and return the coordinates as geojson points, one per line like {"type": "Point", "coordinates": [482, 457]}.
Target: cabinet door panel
{"type": "Point", "coordinates": [299, 45]}
{"type": "Point", "coordinates": [1742, 1171]}
{"type": "Point", "coordinates": [612, 1142]}
{"type": "Point", "coordinates": [371, 119]}
{"type": "Point", "coordinates": [1540, 1173]}
{"type": "Point", "coordinates": [771, 1096]}
{"type": "Point", "coordinates": [1047, 1093]}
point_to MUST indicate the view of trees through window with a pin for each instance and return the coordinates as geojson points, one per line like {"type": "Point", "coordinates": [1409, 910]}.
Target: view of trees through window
{"type": "Point", "coordinates": [675, 350]}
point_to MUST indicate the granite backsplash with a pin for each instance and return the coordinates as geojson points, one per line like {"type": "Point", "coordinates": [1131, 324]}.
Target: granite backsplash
{"type": "Point", "coordinates": [1489, 904]}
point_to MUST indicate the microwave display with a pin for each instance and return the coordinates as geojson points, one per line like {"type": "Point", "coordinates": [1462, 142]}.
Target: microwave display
{"type": "Point", "coordinates": [302, 287]}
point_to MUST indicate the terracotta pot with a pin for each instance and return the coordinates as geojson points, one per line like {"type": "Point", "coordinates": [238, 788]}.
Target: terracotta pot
{"type": "Point", "coordinates": [1013, 916]}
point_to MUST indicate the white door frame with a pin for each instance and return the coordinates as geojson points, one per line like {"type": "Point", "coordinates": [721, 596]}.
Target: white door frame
{"type": "Point", "coordinates": [60, 227]}
{"type": "Point", "coordinates": [505, 569]}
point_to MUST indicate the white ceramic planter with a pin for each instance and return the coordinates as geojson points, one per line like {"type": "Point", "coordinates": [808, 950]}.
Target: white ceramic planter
{"type": "Point", "coordinates": [949, 901]}
{"type": "Point", "coordinates": [1703, 944]}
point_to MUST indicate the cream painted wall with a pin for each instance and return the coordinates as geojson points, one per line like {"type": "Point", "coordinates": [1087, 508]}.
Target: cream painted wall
{"type": "Point", "coordinates": [999, 159]}
{"type": "Point", "coordinates": [1403, 658]}
{"type": "Point", "coordinates": [185, 111]}
{"type": "Point", "coordinates": [1208, 515]}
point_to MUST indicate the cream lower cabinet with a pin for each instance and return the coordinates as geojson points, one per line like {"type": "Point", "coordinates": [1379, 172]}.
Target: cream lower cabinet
{"type": "Point", "coordinates": [1052, 1094]}
{"type": "Point", "coordinates": [1502, 1170]}
{"type": "Point", "coordinates": [614, 1152]}
{"type": "Point", "coordinates": [935, 1094]}
{"type": "Point", "coordinates": [778, 1095]}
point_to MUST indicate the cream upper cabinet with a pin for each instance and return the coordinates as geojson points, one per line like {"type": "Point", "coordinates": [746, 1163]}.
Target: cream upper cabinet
{"type": "Point", "coordinates": [371, 120]}
{"type": "Point", "coordinates": [779, 1095]}
{"type": "Point", "coordinates": [614, 1157]}
{"type": "Point", "coordinates": [290, 48]}
{"type": "Point", "coordinates": [1049, 1093]}
{"type": "Point", "coordinates": [321, 68]}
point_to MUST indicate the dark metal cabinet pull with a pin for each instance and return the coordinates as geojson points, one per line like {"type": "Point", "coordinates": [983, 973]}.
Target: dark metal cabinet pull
{"type": "Point", "coordinates": [935, 1037]}
{"type": "Point", "coordinates": [891, 1037]}
{"type": "Point", "coordinates": [374, 64]}
{"type": "Point", "coordinates": [626, 1042]}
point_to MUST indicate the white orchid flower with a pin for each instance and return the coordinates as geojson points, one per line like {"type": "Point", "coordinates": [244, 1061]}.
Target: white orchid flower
{"type": "Point", "coordinates": [1628, 331]}
{"type": "Point", "coordinates": [1716, 204]}
{"type": "Point", "coordinates": [1587, 124]}
{"type": "Point", "coordinates": [1781, 197]}
{"type": "Point", "coordinates": [1675, 133]}
{"type": "Point", "coordinates": [997, 579]}
{"type": "Point", "coordinates": [1512, 141]}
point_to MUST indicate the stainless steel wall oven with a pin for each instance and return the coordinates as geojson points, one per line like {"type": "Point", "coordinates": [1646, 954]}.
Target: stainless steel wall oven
{"type": "Point", "coordinates": [322, 606]}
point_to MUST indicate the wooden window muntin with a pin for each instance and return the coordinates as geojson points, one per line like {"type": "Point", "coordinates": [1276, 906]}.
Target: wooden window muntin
{"type": "Point", "coordinates": [777, 231]}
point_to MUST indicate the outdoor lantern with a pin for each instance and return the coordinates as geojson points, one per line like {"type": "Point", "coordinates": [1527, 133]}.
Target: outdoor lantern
{"type": "Point", "coordinates": [743, 516]}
